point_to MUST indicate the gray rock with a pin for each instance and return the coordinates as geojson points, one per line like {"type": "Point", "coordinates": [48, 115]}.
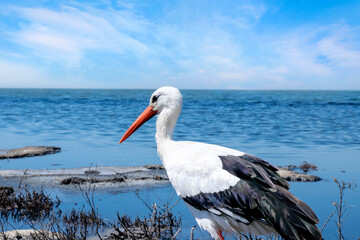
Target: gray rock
{"type": "Point", "coordinates": [107, 178]}
{"type": "Point", "coordinates": [305, 167]}
{"type": "Point", "coordinates": [285, 172]}
{"type": "Point", "coordinates": [29, 234]}
{"type": "Point", "coordinates": [292, 176]}
{"type": "Point", "coordinates": [30, 151]}
{"type": "Point", "coordinates": [79, 180]}
{"type": "Point", "coordinates": [154, 167]}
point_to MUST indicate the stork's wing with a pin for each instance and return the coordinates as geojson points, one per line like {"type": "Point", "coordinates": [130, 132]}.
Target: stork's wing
{"type": "Point", "coordinates": [260, 194]}
{"type": "Point", "coordinates": [249, 166]}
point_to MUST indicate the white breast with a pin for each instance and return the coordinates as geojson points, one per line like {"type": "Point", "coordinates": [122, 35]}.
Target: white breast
{"type": "Point", "coordinates": [195, 167]}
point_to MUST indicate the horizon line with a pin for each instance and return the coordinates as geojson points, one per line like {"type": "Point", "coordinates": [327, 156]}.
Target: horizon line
{"type": "Point", "coordinates": [196, 89]}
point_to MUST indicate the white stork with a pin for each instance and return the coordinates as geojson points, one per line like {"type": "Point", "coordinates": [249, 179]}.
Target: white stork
{"type": "Point", "coordinates": [225, 190]}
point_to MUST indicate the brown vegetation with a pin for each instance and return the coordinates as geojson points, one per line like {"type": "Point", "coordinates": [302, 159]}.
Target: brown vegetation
{"type": "Point", "coordinates": [30, 205]}
{"type": "Point", "coordinates": [48, 221]}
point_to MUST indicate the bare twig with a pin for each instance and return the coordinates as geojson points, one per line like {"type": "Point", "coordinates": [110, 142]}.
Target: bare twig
{"type": "Point", "coordinates": [138, 196]}
{"type": "Point", "coordinates": [192, 232]}
{"type": "Point", "coordinates": [23, 177]}
{"type": "Point", "coordinates": [175, 235]}
{"type": "Point", "coordinates": [3, 230]}
{"type": "Point", "coordinates": [327, 222]}
{"type": "Point", "coordinates": [341, 208]}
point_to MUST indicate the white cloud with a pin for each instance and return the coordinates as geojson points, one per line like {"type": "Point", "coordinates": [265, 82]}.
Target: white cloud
{"type": "Point", "coordinates": [310, 57]}
{"type": "Point", "coordinates": [339, 53]}
{"type": "Point", "coordinates": [321, 56]}
{"type": "Point", "coordinates": [246, 16]}
{"type": "Point", "coordinates": [66, 35]}
{"type": "Point", "coordinates": [214, 49]}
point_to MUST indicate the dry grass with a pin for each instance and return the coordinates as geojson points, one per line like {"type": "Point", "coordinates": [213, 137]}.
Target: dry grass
{"type": "Point", "coordinates": [43, 214]}
{"type": "Point", "coordinates": [30, 205]}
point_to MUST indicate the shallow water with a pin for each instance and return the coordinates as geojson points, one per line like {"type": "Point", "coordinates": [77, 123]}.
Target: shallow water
{"type": "Point", "coordinates": [282, 127]}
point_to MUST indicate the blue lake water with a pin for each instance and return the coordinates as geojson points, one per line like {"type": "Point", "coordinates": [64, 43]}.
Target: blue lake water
{"type": "Point", "coordinates": [282, 127]}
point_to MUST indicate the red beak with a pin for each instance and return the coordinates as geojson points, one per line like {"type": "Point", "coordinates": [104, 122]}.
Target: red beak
{"type": "Point", "coordinates": [146, 115]}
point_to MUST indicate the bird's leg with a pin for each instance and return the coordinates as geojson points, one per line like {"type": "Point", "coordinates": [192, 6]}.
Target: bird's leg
{"type": "Point", "coordinates": [219, 232]}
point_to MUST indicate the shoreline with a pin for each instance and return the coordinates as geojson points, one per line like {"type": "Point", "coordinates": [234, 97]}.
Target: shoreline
{"type": "Point", "coordinates": [108, 178]}
{"type": "Point", "coordinates": [104, 178]}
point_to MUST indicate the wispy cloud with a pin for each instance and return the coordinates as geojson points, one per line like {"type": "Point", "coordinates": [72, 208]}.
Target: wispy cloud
{"type": "Point", "coordinates": [185, 43]}
{"type": "Point", "coordinates": [247, 16]}
{"type": "Point", "coordinates": [322, 55]}
{"type": "Point", "coordinates": [67, 34]}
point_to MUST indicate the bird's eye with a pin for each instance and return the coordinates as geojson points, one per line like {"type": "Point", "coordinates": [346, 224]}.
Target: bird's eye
{"type": "Point", "coordinates": [154, 98]}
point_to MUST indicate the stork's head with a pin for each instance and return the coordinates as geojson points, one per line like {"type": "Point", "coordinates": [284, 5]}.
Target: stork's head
{"type": "Point", "coordinates": [164, 99]}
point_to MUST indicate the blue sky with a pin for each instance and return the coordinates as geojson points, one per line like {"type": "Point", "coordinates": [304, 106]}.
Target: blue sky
{"type": "Point", "coordinates": [188, 44]}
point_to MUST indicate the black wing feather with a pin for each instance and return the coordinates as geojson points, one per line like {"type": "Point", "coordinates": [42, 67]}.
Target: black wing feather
{"type": "Point", "coordinates": [262, 170]}
{"type": "Point", "coordinates": [261, 194]}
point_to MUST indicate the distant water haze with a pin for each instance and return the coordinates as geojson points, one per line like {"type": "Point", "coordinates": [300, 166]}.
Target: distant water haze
{"type": "Point", "coordinates": [282, 127]}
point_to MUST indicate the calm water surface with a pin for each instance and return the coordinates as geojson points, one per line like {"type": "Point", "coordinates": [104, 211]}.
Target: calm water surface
{"type": "Point", "coordinates": [283, 127]}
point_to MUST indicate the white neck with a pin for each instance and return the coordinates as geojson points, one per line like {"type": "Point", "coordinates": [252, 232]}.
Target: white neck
{"type": "Point", "coordinates": [165, 124]}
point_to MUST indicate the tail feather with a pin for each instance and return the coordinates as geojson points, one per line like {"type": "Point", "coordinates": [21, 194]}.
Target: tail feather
{"type": "Point", "coordinates": [313, 232]}
{"type": "Point", "coordinates": [278, 220]}
{"type": "Point", "coordinates": [288, 219]}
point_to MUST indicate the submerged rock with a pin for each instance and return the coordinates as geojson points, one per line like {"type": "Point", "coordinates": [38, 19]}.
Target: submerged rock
{"type": "Point", "coordinates": [30, 151]}
{"type": "Point", "coordinates": [79, 180]}
{"type": "Point", "coordinates": [154, 167]}
{"type": "Point", "coordinates": [285, 172]}
{"type": "Point", "coordinates": [289, 174]}
{"type": "Point", "coordinates": [292, 176]}
{"type": "Point", "coordinates": [304, 167]}
{"type": "Point", "coordinates": [108, 177]}
{"type": "Point", "coordinates": [72, 180]}
{"type": "Point", "coordinates": [103, 177]}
